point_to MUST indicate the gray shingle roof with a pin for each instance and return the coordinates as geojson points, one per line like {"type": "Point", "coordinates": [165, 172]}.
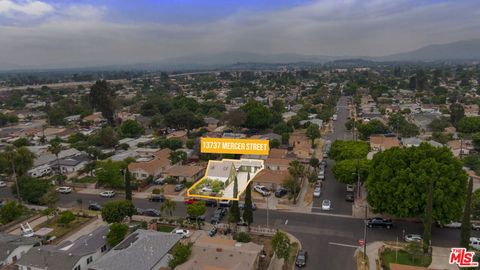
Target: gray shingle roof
{"type": "Point", "coordinates": [9, 243]}
{"type": "Point", "coordinates": [66, 254]}
{"type": "Point", "coordinates": [141, 250]}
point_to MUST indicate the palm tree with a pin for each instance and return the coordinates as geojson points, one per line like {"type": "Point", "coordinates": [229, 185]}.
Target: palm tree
{"type": "Point", "coordinates": [55, 148]}
{"type": "Point", "coordinates": [297, 171]}
{"type": "Point", "coordinates": [168, 206]}
{"type": "Point", "coordinates": [20, 160]}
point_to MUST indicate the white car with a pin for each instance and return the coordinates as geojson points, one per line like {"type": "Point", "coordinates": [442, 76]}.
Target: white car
{"type": "Point", "coordinates": [184, 233]}
{"type": "Point", "coordinates": [321, 176]}
{"type": "Point", "coordinates": [475, 242]}
{"type": "Point", "coordinates": [64, 190]}
{"type": "Point", "coordinates": [262, 190]}
{"type": "Point", "coordinates": [326, 205]}
{"type": "Point", "coordinates": [317, 192]}
{"type": "Point", "coordinates": [350, 188]}
{"type": "Point", "coordinates": [454, 225]}
{"type": "Point", "coordinates": [413, 238]}
{"type": "Point", "coordinates": [108, 194]}
{"type": "Point", "coordinates": [2, 184]}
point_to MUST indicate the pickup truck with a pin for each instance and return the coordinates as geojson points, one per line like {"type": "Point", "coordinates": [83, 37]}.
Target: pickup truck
{"type": "Point", "coordinates": [379, 223]}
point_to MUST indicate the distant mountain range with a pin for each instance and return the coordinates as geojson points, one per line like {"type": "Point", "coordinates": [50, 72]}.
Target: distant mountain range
{"type": "Point", "coordinates": [455, 51]}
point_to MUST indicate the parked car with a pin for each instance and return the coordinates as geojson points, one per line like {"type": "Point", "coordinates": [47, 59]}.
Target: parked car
{"type": "Point", "coordinates": [317, 192]}
{"type": "Point", "coordinates": [216, 218]}
{"type": "Point", "coordinates": [325, 155]}
{"type": "Point", "coordinates": [157, 198]}
{"type": "Point", "coordinates": [321, 176]}
{"type": "Point", "coordinates": [475, 242]}
{"type": "Point", "coordinates": [241, 205]}
{"type": "Point", "coordinates": [379, 222]}
{"type": "Point", "coordinates": [224, 203]}
{"type": "Point", "coordinates": [2, 184]}
{"type": "Point", "coordinates": [108, 194]}
{"type": "Point", "coordinates": [476, 226]}
{"type": "Point", "coordinates": [179, 187]}
{"type": "Point", "coordinates": [195, 219]}
{"type": "Point", "coordinates": [210, 203]}
{"type": "Point", "coordinates": [349, 197]}
{"type": "Point", "coordinates": [262, 190]}
{"type": "Point", "coordinates": [350, 188]}
{"type": "Point", "coordinates": [323, 163]}
{"type": "Point", "coordinates": [212, 231]}
{"type": "Point", "coordinates": [159, 181]}
{"type": "Point", "coordinates": [301, 259]}
{"type": "Point", "coordinates": [94, 207]}
{"type": "Point", "coordinates": [413, 238]}
{"type": "Point", "coordinates": [326, 205]}
{"type": "Point", "coordinates": [64, 190]}
{"type": "Point", "coordinates": [190, 201]}
{"type": "Point", "coordinates": [281, 192]}
{"type": "Point", "coordinates": [151, 213]}
{"type": "Point", "coordinates": [453, 225]}
{"type": "Point", "coordinates": [140, 211]}
{"type": "Point", "coordinates": [184, 233]}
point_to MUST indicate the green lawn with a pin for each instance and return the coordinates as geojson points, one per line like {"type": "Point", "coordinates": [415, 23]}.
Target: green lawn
{"type": "Point", "coordinates": [404, 257]}
{"type": "Point", "coordinates": [164, 228]}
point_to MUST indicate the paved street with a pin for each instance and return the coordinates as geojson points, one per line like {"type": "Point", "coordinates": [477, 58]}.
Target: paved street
{"type": "Point", "coordinates": [330, 238]}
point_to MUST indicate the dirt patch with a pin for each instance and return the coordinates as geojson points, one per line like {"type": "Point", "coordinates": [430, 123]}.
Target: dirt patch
{"type": "Point", "coordinates": [308, 198]}
{"type": "Point", "coordinates": [170, 190]}
{"type": "Point", "coordinates": [265, 241]}
{"type": "Point", "coordinates": [362, 262]}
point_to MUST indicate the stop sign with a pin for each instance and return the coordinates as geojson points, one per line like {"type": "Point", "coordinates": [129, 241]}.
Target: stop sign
{"type": "Point", "coordinates": [361, 242]}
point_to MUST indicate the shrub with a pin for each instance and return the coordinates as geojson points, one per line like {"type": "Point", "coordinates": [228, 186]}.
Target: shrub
{"type": "Point", "coordinates": [116, 234]}
{"type": "Point", "coordinates": [66, 217]}
{"type": "Point", "coordinates": [180, 254]}
{"type": "Point", "coordinates": [243, 237]}
{"type": "Point", "coordinates": [156, 191]}
{"type": "Point", "coordinates": [10, 211]}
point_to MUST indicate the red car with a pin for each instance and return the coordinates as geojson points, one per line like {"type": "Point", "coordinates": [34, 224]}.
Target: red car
{"type": "Point", "coordinates": [190, 201]}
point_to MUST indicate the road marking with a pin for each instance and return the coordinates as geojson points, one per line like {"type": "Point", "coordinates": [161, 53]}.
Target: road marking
{"type": "Point", "coordinates": [342, 245]}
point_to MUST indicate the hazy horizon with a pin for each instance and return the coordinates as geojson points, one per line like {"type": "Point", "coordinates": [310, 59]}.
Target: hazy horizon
{"type": "Point", "coordinates": [46, 33]}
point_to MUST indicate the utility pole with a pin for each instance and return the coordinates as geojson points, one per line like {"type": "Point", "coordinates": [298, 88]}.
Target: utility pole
{"type": "Point", "coordinates": [365, 235]}
{"type": "Point", "coordinates": [268, 224]}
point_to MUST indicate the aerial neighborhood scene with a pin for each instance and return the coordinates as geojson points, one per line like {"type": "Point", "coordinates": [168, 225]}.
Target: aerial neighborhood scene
{"type": "Point", "coordinates": [242, 135]}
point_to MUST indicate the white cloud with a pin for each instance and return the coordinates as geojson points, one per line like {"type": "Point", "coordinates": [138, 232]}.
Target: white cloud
{"type": "Point", "coordinates": [11, 8]}
{"type": "Point", "coordinates": [83, 35]}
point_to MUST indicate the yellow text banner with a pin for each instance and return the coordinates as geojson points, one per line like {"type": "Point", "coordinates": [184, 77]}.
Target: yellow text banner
{"type": "Point", "coordinates": [234, 146]}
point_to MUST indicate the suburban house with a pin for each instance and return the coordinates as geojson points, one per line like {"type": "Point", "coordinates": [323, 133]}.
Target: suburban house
{"type": "Point", "coordinates": [301, 144]}
{"type": "Point", "coordinates": [179, 135]}
{"type": "Point", "coordinates": [212, 123]}
{"type": "Point", "coordinates": [96, 118]}
{"type": "Point", "coordinates": [271, 179]}
{"type": "Point", "coordinates": [185, 173]}
{"type": "Point", "coordinates": [277, 153]}
{"type": "Point", "coordinates": [277, 164]}
{"type": "Point", "coordinates": [77, 255]}
{"type": "Point", "coordinates": [219, 253]}
{"type": "Point", "coordinates": [460, 147]}
{"type": "Point", "coordinates": [382, 143]}
{"type": "Point", "coordinates": [71, 164]}
{"type": "Point", "coordinates": [13, 247]}
{"type": "Point", "coordinates": [142, 249]}
{"type": "Point", "coordinates": [153, 167]}
{"type": "Point", "coordinates": [412, 141]}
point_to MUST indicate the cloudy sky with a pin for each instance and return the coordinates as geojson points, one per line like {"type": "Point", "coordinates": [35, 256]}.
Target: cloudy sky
{"type": "Point", "coordinates": [67, 33]}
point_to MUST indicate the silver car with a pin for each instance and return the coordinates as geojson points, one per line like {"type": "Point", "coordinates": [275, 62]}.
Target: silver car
{"type": "Point", "coordinates": [317, 192]}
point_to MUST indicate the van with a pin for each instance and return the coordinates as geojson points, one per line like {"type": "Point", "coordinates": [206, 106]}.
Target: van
{"type": "Point", "coordinates": [475, 242]}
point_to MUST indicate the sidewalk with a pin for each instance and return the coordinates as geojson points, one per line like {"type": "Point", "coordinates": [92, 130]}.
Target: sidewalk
{"type": "Point", "coordinates": [440, 256]}
{"type": "Point", "coordinates": [372, 253]}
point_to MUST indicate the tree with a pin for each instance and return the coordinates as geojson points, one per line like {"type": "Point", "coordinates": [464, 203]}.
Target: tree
{"type": "Point", "coordinates": [66, 217]}
{"type": "Point", "coordinates": [257, 115]}
{"type": "Point", "coordinates": [372, 127]}
{"type": "Point", "coordinates": [400, 180]}
{"type": "Point", "coordinates": [313, 132]}
{"type": "Point", "coordinates": [102, 98]}
{"type": "Point", "coordinates": [131, 129]}
{"type": "Point", "coordinates": [116, 234]}
{"type": "Point", "coordinates": [469, 124]}
{"type": "Point", "coordinates": [32, 189]}
{"type": "Point", "coordinates": [281, 245]}
{"type": "Point", "coordinates": [342, 150]}
{"type": "Point", "coordinates": [116, 211]}
{"type": "Point", "coordinates": [168, 206]}
{"type": "Point", "coordinates": [50, 198]}
{"type": "Point", "coordinates": [457, 113]}
{"type": "Point", "coordinates": [10, 211]}
{"type": "Point", "coordinates": [314, 163]}
{"type": "Point", "coordinates": [234, 213]}
{"type": "Point", "coordinates": [236, 118]}
{"type": "Point", "coordinates": [248, 210]}
{"type": "Point", "coordinates": [108, 174]}
{"type": "Point", "coordinates": [466, 224]}
{"type": "Point", "coordinates": [21, 142]}
{"type": "Point", "coordinates": [16, 162]}
{"type": "Point", "coordinates": [180, 254]}
{"type": "Point", "coordinates": [178, 156]}
{"type": "Point", "coordinates": [196, 210]}
{"type": "Point", "coordinates": [401, 126]}
{"type": "Point", "coordinates": [346, 171]}
{"type": "Point", "coordinates": [55, 148]}
{"type": "Point", "coordinates": [439, 124]}
{"type": "Point", "coordinates": [297, 172]}
{"type": "Point", "coordinates": [128, 186]}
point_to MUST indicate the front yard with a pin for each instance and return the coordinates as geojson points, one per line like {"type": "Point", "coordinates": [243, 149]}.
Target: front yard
{"type": "Point", "coordinates": [61, 230]}
{"type": "Point", "coordinates": [405, 257]}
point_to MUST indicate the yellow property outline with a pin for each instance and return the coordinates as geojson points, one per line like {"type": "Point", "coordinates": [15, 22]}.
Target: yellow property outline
{"type": "Point", "coordinates": [205, 176]}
